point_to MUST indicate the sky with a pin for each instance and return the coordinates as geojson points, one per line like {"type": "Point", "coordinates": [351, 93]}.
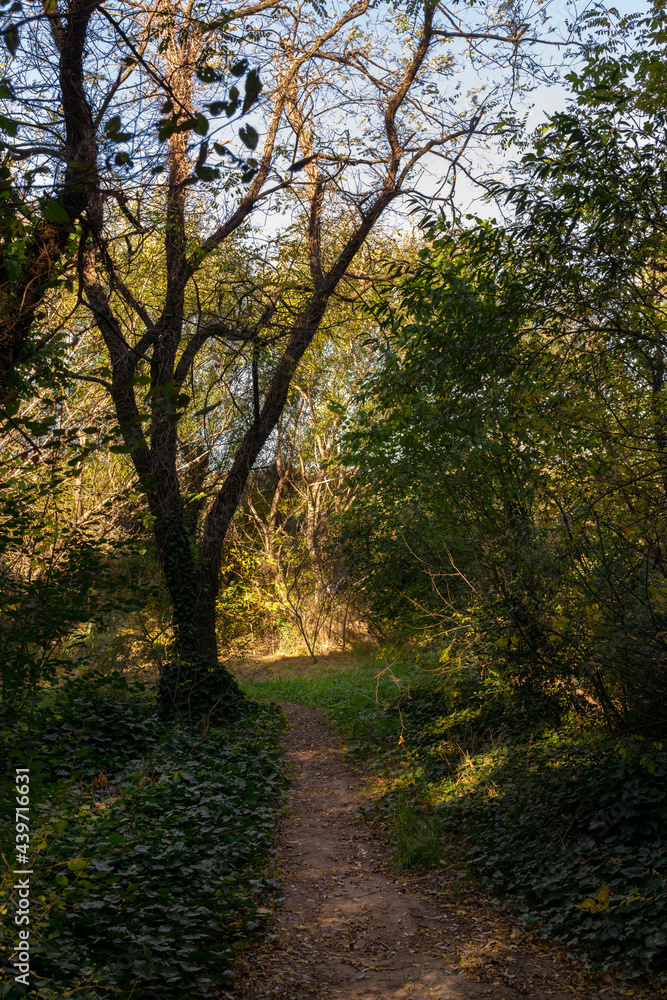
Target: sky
{"type": "Point", "coordinates": [543, 101]}
{"type": "Point", "coordinates": [547, 97]}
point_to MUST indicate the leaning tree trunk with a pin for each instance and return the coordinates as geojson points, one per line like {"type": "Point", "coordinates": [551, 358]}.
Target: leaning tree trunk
{"type": "Point", "coordinates": [37, 259]}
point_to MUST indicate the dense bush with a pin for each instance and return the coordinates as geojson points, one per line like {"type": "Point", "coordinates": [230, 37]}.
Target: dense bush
{"type": "Point", "coordinates": [91, 724]}
{"type": "Point", "coordinates": [509, 443]}
{"type": "Point", "coordinates": [568, 824]}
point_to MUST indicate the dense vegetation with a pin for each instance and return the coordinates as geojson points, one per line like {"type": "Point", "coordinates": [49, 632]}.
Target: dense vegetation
{"type": "Point", "coordinates": [522, 463]}
{"type": "Point", "coordinates": [150, 841]}
{"type": "Point", "coordinates": [448, 440]}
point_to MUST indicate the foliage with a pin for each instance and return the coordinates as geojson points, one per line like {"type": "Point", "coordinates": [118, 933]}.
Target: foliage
{"type": "Point", "coordinates": [246, 615]}
{"type": "Point", "coordinates": [511, 439]}
{"type": "Point", "coordinates": [576, 832]}
{"type": "Point", "coordinates": [58, 577]}
{"type": "Point", "coordinates": [568, 825]}
{"type": "Point", "coordinates": [504, 503]}
{"type": "Point", "coordinates": [148, 843]}
{"type": "Point", "coordinates": [92, 724]}
{"type": "Point", "coordinates": [194, 688]}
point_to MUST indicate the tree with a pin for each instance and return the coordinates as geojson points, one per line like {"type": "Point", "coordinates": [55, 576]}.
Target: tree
{"type": "Point", "coordinates": [528, 436]}
{"type": "Point", "coordinates": [348, 116]}
{"type": "Point", "coordinates": [63, 545]}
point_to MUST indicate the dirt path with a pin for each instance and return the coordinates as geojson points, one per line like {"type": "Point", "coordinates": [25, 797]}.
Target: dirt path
{"type": "Point", "coordinates": [350, 929]}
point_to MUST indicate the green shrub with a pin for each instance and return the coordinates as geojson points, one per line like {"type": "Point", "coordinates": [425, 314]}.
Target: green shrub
{"type": "Point", "coordinates": [92, 723]}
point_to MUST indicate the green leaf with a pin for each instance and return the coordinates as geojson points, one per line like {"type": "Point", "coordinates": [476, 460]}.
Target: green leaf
{"type": "Point", "coordinates": [207, 409]}
{"type": "Point", "coordinates": [53, 211]}
{"type": "Point", "coordinates": [11, 36]}
{"type": "Point", "coordinates": [167, 128]}
{"type": "Point", "coordinates": [253, 87]}
{"type": "Point", "coordinates": [207, 74]}
{"type": "Point", "coordinates": [201, 124]}
{"type": "Point", "coordinates": [249, 136]}
{"type": "Point", "coordinates": [204, 172]}
{"type": "Point", "coordinates": [207, 174]}
{"type": "Point", "coordinates": [77, 865]}
{"type": "Point", "coordinates": [8, 125]}
{"type": "Point", "coordinates": [216, 108]}
{"type": "Point", "coordinates": [112, 130]}
{"type": "Point", "coordinates": [239, 68]}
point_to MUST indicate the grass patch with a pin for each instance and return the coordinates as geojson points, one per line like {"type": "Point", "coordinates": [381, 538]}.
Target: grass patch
{"type": "Point", "coordinates": [148, 847]}
{"type": "Point", "coordinates": [360, 696]}
{"type": "Point", "coordinates": [416, 835]}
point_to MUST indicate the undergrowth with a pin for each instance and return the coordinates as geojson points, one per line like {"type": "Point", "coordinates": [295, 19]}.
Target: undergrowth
{"type": "Point", "coordinates": [149, 844]}
{"type": "Point", "coordinates": [565, 822]}
{"type": "Point", "coordinates": [576, 831]}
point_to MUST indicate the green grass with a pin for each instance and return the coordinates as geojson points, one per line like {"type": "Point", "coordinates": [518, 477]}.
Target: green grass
{"type": "Point", "coordinates": [361, 702]}
{"type": "Point", "coordinates": [416, 835]}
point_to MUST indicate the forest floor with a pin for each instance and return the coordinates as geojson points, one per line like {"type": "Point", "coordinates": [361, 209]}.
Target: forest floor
{"type": "Point", "coordinates": [350, 928]}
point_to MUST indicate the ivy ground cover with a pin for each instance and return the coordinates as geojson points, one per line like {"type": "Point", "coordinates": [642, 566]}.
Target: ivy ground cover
{"type": "Point", "coordinates": [149, 845]}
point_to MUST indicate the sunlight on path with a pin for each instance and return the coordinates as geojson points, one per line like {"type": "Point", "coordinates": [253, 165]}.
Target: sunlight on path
{"type": "Point", "coordinates": [345, 928]}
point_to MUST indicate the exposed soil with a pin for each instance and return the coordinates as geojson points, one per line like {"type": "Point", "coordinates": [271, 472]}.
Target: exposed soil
{"type": "Point", "coordinates": [349, 928]}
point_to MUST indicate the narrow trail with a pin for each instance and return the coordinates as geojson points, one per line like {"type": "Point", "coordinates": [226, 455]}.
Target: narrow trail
{"type": "Point", "coordinates": [349, 929]}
